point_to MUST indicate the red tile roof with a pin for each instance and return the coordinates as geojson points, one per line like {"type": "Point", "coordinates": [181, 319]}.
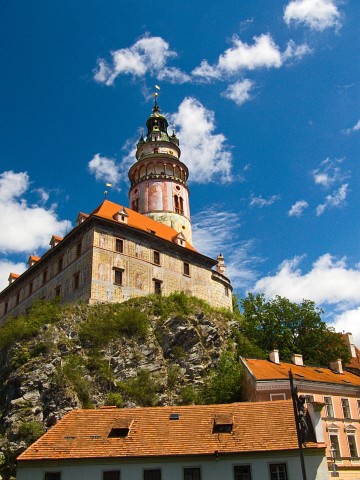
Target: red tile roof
{"type": "Point", "coordinates": [257, 427]}
{"type": "Point", "coordinates": [266, 370]}
{"type": "Point", "coordinates": [107, 210]}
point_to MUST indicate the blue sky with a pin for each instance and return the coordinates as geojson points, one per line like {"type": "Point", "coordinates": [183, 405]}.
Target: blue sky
{"type": "Point", "coordinates": [265, 101]}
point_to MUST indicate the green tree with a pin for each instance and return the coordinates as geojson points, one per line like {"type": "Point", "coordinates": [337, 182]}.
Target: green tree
{"type": "Point", "coordinates": [291, 328]}
{"type": "Point", "coordinates": [222, 385]}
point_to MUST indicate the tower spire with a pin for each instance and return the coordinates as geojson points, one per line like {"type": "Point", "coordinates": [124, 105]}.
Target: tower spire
{"type": "Point", "coordinates": [158, 179]}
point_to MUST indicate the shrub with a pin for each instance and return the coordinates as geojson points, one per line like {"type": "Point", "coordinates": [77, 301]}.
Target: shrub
{"type": "Point", "coordinates": [114, 399]}
{"type": "Point", "coordinates": [31, 431]}
{"type": "Point", "coordinates": [73, 372]}
{"type": "Point", "coordinates": [115, 321]}
{"type": "Point", "coordinates": [142, 389]}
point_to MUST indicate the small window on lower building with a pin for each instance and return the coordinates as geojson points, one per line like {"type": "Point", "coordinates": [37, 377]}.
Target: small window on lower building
{"type": "Point", "coordinates": [242, 472]}
{"type": "Point", "coordinates": [227, 291]}
{"type": "Point", "coordinates": [329, 410]}
{"type": "Point", "coordinates": [17, 298]}
{"type": "Point", "coordinates": [156, 257]}
{"type": "Point", "coordinates": [31, 288]}
{"type": "Point", "coordinates": [118, 276]}
{"type": "Point", "coordinates": [58, 291]}
{"type": "Point", "coordinates": [6, 307]}
{"type": "Point", "coordinates": [76, 280]}
{"type": "Point", "coordinates": [119, 245]}
{"type": "Point", "coordinates": [186, 268]}
{"type": "Point", "coordinates": [44, 277]}
{"type": "Point", "coordinates": [152, 474]}
{"type": "Point", "coordinates": [352, 446]}
{"type": "Point", "coordinates": [157, 287]}
{"type": "Point", "coordinates": [111, 475]}
{"type": "Point", "coordinates": [278, 471]}
{"type": "Point", "coordinates": [192, 474]}
{"type": "Point", "coordinates": [52, 476]}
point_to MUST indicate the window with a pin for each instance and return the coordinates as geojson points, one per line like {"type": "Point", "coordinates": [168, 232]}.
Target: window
{"type": "Point", "coordinates": [277, 396]}
{"type": "Point", "coordinates": [44, 277]}
{"type": "Point", "coordinates": [352, 446]}
{"type": "Point", "coordinates": [119, 245]}
{"type": "Point", "coordinates": [192, 474]}
{"type": "Point", "coordinates": [153, 474]}
{"type": "Point", "coordinates": [60, 264]}
{"type": "Point", "coordinates": [31, 288]}
{"type": "Point", "coordinates": [345, 408]}
{"type": "Point", "coordinates": [157, 287]}
{"type": "Point", "coordinates": [52, 476]}
{"type": "Point", "coordinates": [186, 269]}
{"type": "Point", "coordinates": [334, 446]}
{"type": "Point", "coordinates": [111, 475]}
{"type": "Point", "coordinates": [76, 280]}
{"type": "Point", "coordinates": [118, 276]}
{"type": "Point", "coordinates": [58, 291]}
{"type": "Point", "coordinates": [6, 307]}
{"type": "Point", "coordinates": [329, 410]}
{"type": "Point", "coordinates": [156, 257]}
{"type": "Point", "coordinates": [17, 301]}
{"type": "Point", "coordinates": [78, 250]}
{"type": "Point", "coordinates": [120, 432]}
{"type": "Point", "coordinates": [278, 471]}
{"type": "Point", "coordinates": [227, 291]}
{"type": "Point", "coordinates": [242, 472]}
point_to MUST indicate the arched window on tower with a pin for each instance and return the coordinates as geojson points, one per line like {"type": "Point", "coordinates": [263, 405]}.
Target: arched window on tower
{"type": "Point", "coordinates": [176, 203]}
{"type": "Point", "coordinates": [181, 206]}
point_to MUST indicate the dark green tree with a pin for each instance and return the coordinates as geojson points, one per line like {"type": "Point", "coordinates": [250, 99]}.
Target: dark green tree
{"type": "Point", "coordinates": [292, 328]}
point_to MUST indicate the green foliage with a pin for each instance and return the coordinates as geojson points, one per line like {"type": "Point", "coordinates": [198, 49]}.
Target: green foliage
{"type": "Point", "coordinates": [114, 399]}
{"type": "Point", "coordinates": [142, 389]}
{"type": "Point", "coordinates": [96, 363]}
{"type": "Point", "coordinates": [31, 431]}
{"type": "Point", "coordinates": [73, 372]}
{"type": "Point", "coordinates": [115, 320]}
{"type": "Point", "coordinates": [291, 328]}
{"type": "Point", "coordinates": [188, 395]}
{"type": "Point", "coordinates": [39, 348]}
{"type": "Point", "coordinates": [222, 385]}
{"type": "Point", "coordinates": [27, 326]}
{"type": "Point", "coordinates": [19, 357]}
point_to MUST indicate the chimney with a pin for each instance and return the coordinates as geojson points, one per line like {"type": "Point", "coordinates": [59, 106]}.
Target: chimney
{"type": "Point", "coordinates": [297, 359]}
{"type": "Point", "coordinates": [274, 356]}
{"type": "Point", "coordinates": [221, 267]}
{"type": "Point", "coordinates": [336, 365]}
{"type": "Point", "coordinates": [350, 344]}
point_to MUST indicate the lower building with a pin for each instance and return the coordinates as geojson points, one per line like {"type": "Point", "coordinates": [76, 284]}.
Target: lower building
{"type": "Point", "coordinates": [332, 392]}
{"type": "Point", "coordinates": [112, 255]}
{"type": "Point", "coordinates": [241, 441]}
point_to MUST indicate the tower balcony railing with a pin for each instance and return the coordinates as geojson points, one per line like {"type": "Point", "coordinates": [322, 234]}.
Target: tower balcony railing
{"type": "Point", "coordinates": [152, 176]}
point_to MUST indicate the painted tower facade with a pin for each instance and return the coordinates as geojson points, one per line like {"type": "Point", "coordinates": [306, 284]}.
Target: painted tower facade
{"type": "Point", "coordinates": [158, 179]}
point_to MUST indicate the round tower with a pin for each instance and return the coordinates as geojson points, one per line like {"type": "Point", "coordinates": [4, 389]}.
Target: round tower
{"type": "Point", "coordinates": [159, 179]}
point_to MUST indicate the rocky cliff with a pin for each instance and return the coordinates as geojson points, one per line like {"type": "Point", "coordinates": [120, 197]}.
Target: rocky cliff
{"type": "Point", "coordinates": [148, 351]}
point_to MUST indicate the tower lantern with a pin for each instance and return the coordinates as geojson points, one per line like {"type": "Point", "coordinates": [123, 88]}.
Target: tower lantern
{"type": "Point", "coordinates": [158, 179]}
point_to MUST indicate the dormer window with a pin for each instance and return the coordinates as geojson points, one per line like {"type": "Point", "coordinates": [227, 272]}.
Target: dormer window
{"type": "Point", "coordinates": [122, 216]}
{"type": "Point", "coordinates": [122, 432]}
{"type": "Point", "coordinates": [223, 424]}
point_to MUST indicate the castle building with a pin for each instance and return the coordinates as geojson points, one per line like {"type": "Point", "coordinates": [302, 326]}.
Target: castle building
{"type": "Point", "coordinates": [116, 253]}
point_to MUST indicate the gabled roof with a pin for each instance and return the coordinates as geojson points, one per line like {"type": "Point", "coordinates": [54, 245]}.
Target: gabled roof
{"type": "Point", "coordinates": [265, 370]}
{"type": "Point", "coordinates": [108, 210]}
{"type": "Point", "coordinates": [257, 427]}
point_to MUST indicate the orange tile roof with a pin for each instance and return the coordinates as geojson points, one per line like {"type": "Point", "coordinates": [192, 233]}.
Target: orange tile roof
{"type": "Point", "coordinates": [14, 275]}
{"type": "Point", "coordinates": [258, 427]}
{"type": "Point", "coordinates": [266, 370]}
{"type": "Point", "coordinates": [108, 209]}
{"type": "Point", "coordinates": [34, 258]}
{"type": "Point", "coordinates": [354, 361]}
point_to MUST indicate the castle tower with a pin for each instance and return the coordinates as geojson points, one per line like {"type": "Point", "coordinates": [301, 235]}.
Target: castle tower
{"type": "Point", "coordinates": [159, 179]}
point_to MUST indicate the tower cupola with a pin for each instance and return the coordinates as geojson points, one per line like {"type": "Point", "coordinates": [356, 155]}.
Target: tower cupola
{"type": "Point", "coordinates": [158, 179]}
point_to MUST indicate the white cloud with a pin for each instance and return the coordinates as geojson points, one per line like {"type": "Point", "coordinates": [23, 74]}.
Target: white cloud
{"type": "Point", "coordinates": [355, 128]}
{"type": "Point", "coordinates": [239, 92]}
{"type": "Point", "coordinates": [7, 267]}
{"type": "Point", "coordinates": [335, 200]}
{"type": "Point", "coordinates": [263, 202]}
{"type": "Point", "coordinates": [147, 55]}
{"type": "Point", "coordinates": [216, 231]}
{"type": "Point", "coordinates": [316, 14]}
{"type": "Point", "coordinates": [206, 71]}
{"type": "Point", "coordinates": [104, 169]}
{"type": "Point", "coordinates": [330, 281]}
{"type": "Point", "coordinates": [297, 209]}
{"type": "Point", "coordinates": [329, 173]}
{"type": "Point", "coordinates": [204, 152]}
{"type": "Point", "coordinates": [349, 321]}
{"type": "Point", "coordinates": [296, 51]}
{"type": "Point", "coordinates": [24, 228]}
